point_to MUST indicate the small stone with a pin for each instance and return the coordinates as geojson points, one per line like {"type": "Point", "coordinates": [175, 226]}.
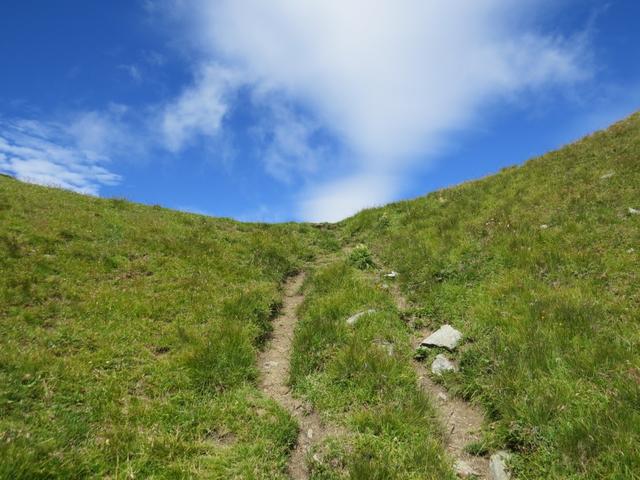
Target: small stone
{"type": "Point", "coordinates": [443, 397]}
{"type": "Point", "coordinates": [393, 274]}
{"type": "Point", "coordinates": [270, 364]}
{"type": "Point", "coordinates": [633, 211]}
{"type": "Point", "coordinates": [310, 433]}
{"type": "Point", "coordinates": [354, 318]}
{"type": "Point", "coordinates": [464, 470]}
{"type": "Point", "coordinates": [498, 466]}
{"type": "Point", "coordinates": [544, 226]}
{"type": "Point", "coordinates": [631, 250]}
{"type": "Point", "coordinates": [442, 364]}
{"type": "Point", "coordinates": [607, 175]}
{"type": "Point", "coordinates": [446, 337]}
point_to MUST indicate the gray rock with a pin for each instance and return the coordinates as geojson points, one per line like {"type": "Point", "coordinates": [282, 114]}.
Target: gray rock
{"type": "Point", "coordinates": [442, 364]}
{"type": "Point", "coordinates": [354, 318]}
{"type": "Point", "coordinates": [633, 211]}
{"type": "Point", "coordinates": [464, 470]}
{"type": "Point", "coordinates": [443, 397]}
{"type": "Point", "coordinates": [498, 469]}
{"type": "Point", "coordinates": [393, 274]}
{"type": "Point", "coordinates": [446, 337]}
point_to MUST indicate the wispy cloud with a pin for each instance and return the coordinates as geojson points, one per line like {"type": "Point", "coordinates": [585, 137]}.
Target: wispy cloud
{"type": "Point", "coordinates": [289, 142]}
{"type": "Point", "coordinates": [200, 109]}
{"type": "Point", "coordinates": [53, 154]}
{"type": "Point", "coordinates": [132, 71]}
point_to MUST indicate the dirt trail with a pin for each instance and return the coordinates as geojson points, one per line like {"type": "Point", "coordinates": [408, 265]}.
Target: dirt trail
{"type": "Point", "coordinates": [274, 366]}
{"type": "Point", "coordinates": [462, 421]}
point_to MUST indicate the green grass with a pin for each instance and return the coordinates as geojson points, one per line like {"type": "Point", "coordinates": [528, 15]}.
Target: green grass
{"type": "Point", "coordinates": [128, 334]}
{"type": "Point", "coordinates": [129, 338]}
{"type": "Point", "coordinates": [538, 266]}
{"type": "Point", "coordinates": [360, 376]}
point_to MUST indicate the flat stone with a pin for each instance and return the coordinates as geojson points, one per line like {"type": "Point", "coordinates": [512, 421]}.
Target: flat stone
{"type": "Point", "coordinates": [634, 211]}
{"type": "Point", "coordinates": [607, 175]}
{"type": "Point", "coordinates": [464, 470]}
{"type": "Point", "coordinates": [393, 274]}
{"type": "Point", "coordinates": [498, 466]}
{"type": "Point", "coordinates": [446, 337]}
{"type": "Point", "coordinates": [442, 364]}
{"type": "Point", "coordinates": [354, 318]}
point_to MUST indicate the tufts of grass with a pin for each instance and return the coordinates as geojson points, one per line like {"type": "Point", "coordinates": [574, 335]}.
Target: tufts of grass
{"type": "Point", "coordinates": [128, 339]}
{"type": "Point", "coordinates": [361, 257]}
{"type": "Point", "coordinates": [361, 376]}
{"type": "Point", "coordinates": [538, 266]}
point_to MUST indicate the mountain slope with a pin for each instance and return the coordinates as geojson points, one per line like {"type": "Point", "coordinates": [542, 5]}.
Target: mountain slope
{"type": "Point", "coordinates": [129, 334]}
{"type": "Point", "coordinates": [128, 338]}
{"type": "Point", "coordinates": [538, 265]}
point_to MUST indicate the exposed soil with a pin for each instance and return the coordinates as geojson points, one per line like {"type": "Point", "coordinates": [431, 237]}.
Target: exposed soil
{"type": "Point", "coordinates": [462, 421]}
{"type": "Point", "coordinates": [274, 365]}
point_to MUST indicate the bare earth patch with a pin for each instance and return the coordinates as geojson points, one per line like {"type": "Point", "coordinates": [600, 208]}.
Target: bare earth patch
{"type": "Point", "coordinates": [462, 421]}
{"type": "Point", "coordinates": [274, 365]}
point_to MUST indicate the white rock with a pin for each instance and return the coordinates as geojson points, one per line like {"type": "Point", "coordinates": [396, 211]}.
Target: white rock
{"type": "Point", "coordinates": [634, 211]}
{"type": "Point", "coordinates": [464, 470]}
{"type": "Point", "coordinates": [607, 175]}
{"type": "Point", "coordinates": [393, 274]}
{"type": "Point", "coordinates": [354, 318]}
{"type": "Point", "coordinates": [544, 226]}
{"type": "Point", "coordinates": [310, 434]}
{"type": "Point", "coordinates": [443, 397]}
{"type": "Point", "coordinates": [442, 364]}
{"type": "Point", "coordinates": [498, 466]}
{"type": "Point", "coordinates": [446, 336]}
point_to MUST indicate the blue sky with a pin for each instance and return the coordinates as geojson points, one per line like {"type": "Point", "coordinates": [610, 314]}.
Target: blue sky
{"type": "Point", "coordinates": [291, 110]}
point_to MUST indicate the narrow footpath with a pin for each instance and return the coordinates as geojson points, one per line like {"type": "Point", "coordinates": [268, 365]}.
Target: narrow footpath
{"type": "Point", "coordinates": [274, 365]}
{"type": "Point", "coordinates": [461, 420]}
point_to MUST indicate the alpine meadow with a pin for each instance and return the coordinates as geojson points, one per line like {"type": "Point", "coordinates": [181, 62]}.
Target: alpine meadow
{"type": "Point", "coordinates": [135, 340]}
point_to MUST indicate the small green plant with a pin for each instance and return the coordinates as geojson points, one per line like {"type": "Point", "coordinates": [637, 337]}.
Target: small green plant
{"type": "Point", "coordinates": [361, 257]}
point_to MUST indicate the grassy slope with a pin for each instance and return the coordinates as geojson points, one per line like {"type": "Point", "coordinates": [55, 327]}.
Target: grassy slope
{"type": "Point", "coordinates": [128, 333]}
{"type": "Point", "coordinates": [350, 374]}
{"type": "Point", "coordinates": [551, 314]}
{"type": "Point", "coordinates": [128, 338]}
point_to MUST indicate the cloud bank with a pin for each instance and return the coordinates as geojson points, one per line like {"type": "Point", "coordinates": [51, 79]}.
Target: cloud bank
{"type": "Point", "coordinates": [389, 78]}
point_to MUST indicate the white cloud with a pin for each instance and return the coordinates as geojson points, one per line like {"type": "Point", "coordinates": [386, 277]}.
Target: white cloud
{"type": "Point", "coordinates": [286, 142]}
{"type": "Point", "coordinates": [338, 199]}
{"type": "Point", "coordinates": [200, 109]}
{"type": "Point", "coordinates": [53, 154]}
{"type": "Point", "coordinates": [389, 78]}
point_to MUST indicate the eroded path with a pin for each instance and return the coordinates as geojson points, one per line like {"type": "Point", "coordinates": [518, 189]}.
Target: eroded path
{"type": "Point", "coordinates": [274, 365]}
{"type": "Point", "coordinates": [462, 421]}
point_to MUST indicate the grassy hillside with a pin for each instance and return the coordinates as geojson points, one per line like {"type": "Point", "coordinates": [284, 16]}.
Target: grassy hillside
{"type": "Point", "coordinates": [539, 266]}
{"type": "Point", "coordinates": [128, 337]}
{"type": "Point", "coordinates": [128, 334]}
{"type": "Point", "coordinates": [360, 375]}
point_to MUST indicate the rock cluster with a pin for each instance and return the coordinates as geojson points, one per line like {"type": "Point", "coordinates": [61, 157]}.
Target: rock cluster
{"type": "Point", "coordinates": [445, 337]}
